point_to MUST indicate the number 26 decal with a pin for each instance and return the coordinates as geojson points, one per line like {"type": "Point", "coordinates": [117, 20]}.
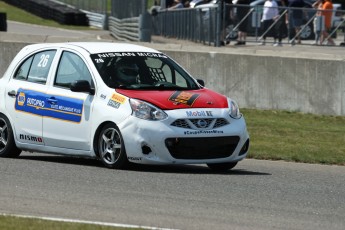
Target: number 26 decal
{"type": "Point", "coordinates": [43, 60]}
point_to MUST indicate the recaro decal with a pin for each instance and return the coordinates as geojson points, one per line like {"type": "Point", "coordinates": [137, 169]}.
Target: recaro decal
{"type": "Point", "coordinates": [116, 100]}
{"type": "Point", "coordinates": [37, 103]}
{"type": "Point", "coordinates": [182, 97]}
{"type": "Point", "coordinates": [119, 98]}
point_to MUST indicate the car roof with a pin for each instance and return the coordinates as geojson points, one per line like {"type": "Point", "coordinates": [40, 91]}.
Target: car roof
{"type": "Point", "coordinates": [95, 47]}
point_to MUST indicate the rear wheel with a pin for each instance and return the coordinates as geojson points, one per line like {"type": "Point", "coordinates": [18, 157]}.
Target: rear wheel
{"type": "Point", "coordinates": [307, 33]}
{"type": "Point", "coordinates": [111, 147]}
{"type": "Point", "coordinates": [222, 167]}
{"type": "Point", "coordinates": [8, 147]}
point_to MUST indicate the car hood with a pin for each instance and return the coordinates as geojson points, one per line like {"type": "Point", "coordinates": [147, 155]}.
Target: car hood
{"type": "Point", "coordinates": [172, 99]}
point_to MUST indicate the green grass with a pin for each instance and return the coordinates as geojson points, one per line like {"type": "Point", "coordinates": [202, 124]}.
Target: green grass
{"type": "Point", "coordinates": [19, 15]}
{"type": "Point", "coordinates": [291, 136]}
{"type": "Point", "coordinates": [20, 223]}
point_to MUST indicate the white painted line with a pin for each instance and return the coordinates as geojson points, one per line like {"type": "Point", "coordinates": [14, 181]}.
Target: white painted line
{"type": "Point", "coordinates": [86, 222]}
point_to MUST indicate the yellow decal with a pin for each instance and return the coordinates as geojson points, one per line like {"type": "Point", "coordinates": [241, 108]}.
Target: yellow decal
{"type": "Point", "coordinates": [118, 98]}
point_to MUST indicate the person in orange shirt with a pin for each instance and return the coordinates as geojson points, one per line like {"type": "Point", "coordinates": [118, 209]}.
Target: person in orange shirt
{"type": "Point", "coordinates": [327, 8]}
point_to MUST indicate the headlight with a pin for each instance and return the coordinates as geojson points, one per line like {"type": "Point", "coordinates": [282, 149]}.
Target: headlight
{"type": "Point", "coordinates": [234, 111]}
{"type": "Point", "coordinates": [146, 111]}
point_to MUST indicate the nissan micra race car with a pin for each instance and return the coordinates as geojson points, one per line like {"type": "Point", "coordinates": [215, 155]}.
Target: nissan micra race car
{"type": "Point", "coordinates": [119, 103]}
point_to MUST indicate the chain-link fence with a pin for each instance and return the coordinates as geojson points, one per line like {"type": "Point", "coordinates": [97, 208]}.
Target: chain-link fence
{"type": "Point", "coordinates": [215, 24]}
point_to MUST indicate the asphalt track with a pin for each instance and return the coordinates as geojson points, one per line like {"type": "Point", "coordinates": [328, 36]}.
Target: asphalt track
{"type": "Point", "coordinates": [255, 195]}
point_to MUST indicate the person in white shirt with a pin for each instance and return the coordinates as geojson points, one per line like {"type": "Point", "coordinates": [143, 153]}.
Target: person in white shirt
{"type": "Point", "coordinates": [269, 14]}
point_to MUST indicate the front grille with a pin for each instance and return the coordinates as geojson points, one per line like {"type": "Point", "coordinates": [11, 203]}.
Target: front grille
{"type": "Point", "coordinates": [202, 123]}
{"type": "Point", "coordinates": [202, 147]}
{"type": "Point", "coordinates": [207, 123]}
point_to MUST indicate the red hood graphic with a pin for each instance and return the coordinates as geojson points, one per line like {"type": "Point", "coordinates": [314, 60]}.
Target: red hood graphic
{"type": "Point", "coordinates": [172, 99]}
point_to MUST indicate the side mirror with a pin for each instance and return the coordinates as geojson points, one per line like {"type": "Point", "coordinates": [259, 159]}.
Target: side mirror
{"type": "Point", "coordinates": [82, 86]}
{"type": "Point", "coordinates": [201, 82]}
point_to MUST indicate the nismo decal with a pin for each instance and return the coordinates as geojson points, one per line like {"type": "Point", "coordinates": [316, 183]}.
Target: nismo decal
{"type": "Point", "coordinates": [41, 104]}
{"type": "Point", "coordinates": [182, 97]}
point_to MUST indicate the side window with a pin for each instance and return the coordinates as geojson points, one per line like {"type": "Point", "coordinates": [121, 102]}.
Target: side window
{"type": "Point", "coordinates": [36, 67]}
{"type": "Point", "coordinates": [23, 71]}
{"type": "Point", "coordinates": [70, 69]}
{"type": "Point", "coordinates": [40, 66]}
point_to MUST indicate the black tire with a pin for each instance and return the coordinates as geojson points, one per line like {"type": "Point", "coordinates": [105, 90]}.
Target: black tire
{"type": "Point", "coordinates": [8, 146]}
{"type": "Point", "coordinates": [230, 33]}
{"type": "Point", "coordinates": [111, 148]}
{"type": "Point", "coordinates": [222, 167]}
{"type": "Point", "coordinates": [307, 33]}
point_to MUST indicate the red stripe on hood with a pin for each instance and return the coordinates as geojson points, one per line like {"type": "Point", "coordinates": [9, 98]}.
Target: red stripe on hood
{"type": "Point", "coordinates": [172, 99]}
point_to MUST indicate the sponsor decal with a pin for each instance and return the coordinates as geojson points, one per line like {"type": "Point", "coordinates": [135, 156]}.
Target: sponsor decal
{"type": "Point", "coordinates": [30, 138]}
{"type": "Point", "coordinates": [21, 98]}
{"type": "Point", "coordinates": [182, 97]}
{"type": "Point", "coordinates": [58, 107]}
{"type": "Point", "coordinates": [134, 158]}
{"type": "Point", "coordinates": [103, 96]}
{"type": "Point", "coordinates": [118, 98]}
{"type": "Point", "coordinates": [99, 58]}
{"type": "Point", "coordinates": [203, 132]}
{"type": "Point", "coordinates": [199, 113]}
{"type": "Point", "coordinates": [113, 104]}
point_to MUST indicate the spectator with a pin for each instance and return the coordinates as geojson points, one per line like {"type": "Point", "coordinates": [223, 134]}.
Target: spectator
{"type": "Point", "coordinates": [327, 8]}
{"type": "Point", "coordinates": [269, 14]}
{"type": "Point", "coordinates": [318, 24]}
{"type": "Point", "coordinates": [296, 17]}
{"type": "Point", "coordinates": [280, 27]}
{"type": "Point", "coordinates": [177, 5]}
{"type": "Point", "coordinates": [242, 11]}
{"type": "Point", "coordinates": [226, 19]}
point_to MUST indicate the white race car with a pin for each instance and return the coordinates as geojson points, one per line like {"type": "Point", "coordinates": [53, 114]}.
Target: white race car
{"type": "Point", "coordinates": [116, 102]}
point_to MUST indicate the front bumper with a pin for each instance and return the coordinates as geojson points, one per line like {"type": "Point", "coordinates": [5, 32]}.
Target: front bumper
{"type": "Point", "coordinates": [159, 142]}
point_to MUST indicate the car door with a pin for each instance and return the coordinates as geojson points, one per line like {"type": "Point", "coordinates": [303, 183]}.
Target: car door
{"type": "Point", "coordinates": [69, 122]}
{"type": "Point", "coordinates": [25, 94]}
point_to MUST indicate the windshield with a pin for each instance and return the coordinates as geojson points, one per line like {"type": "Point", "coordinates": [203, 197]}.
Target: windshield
{"type": "Point", "coordinates": [144, 71]}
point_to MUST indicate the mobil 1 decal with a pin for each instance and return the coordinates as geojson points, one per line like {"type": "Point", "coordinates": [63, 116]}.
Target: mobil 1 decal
{"type": "Point", "coordinates": [182, 97]}
{"type": "Point", "coordinates": [54, 106]}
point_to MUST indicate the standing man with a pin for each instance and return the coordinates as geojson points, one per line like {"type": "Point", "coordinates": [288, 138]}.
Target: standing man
{"type": "Point", "coordinates": [242, 11]}
{"type": "Point", "coordinates": [269, 14]}
{"type": "Point", "coordinates": [296, 17]}
{"type": "Point", "coordinates": [327, 8]}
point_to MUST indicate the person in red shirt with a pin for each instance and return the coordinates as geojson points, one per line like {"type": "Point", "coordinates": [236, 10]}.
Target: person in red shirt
{"type": "Point", "coordinates": [327, 8]}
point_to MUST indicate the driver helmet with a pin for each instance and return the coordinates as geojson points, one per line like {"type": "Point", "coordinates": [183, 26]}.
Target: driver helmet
{"type": "Point", "coordinates": [126, 72]}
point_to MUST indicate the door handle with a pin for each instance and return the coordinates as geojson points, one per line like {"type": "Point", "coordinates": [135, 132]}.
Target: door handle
{"type": "Point", "coordinates": [12, 93]}
{"type": "Point", "coordinates": [52, 100]}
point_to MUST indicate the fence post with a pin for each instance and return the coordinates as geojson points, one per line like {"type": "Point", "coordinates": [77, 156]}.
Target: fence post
{"type": "Point", "coordinates": [145, 24]}
{"type": "Point", "coordinates": [3, 22]}
{"type": "Point", "coordinates": [219, 18]}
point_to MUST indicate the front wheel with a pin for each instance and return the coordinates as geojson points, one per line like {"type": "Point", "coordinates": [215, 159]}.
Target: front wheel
{"type": "Point", "coordinates": [222, 167]}
{"type": "Point", "coordinates": [8, 147]}
{"type": "Point", "coordinates": [111, 147]}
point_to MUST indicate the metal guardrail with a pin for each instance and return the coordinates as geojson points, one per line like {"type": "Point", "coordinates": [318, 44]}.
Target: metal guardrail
{"type": "Point", "coordinates": [96, 19]}
{"type": "Point", "coordinates": [124, 29]}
